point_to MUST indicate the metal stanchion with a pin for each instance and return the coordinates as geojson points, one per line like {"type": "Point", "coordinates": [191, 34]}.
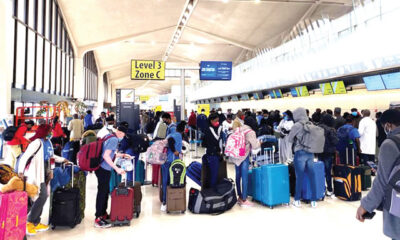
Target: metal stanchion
{"type": "Point", "coordinates": [195, 145]}
{"type": "Point", "coordinates": [191, 141]}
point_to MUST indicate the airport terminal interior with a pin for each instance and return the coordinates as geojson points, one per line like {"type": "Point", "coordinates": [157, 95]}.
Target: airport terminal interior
{"type": "Point", "coordinates": [213, 83]}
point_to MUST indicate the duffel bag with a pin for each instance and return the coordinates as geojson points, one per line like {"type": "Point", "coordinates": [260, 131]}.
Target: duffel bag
{"type": "Point", "coordinates": [214, 200]}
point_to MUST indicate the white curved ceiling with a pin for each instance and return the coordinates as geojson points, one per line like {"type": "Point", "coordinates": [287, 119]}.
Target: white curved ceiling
{"type": "Point", "coordinates": [118, 31]}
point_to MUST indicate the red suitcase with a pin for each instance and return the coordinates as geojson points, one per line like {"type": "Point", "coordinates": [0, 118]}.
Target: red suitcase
{"type": "Point", "coordinates": [155, 172]}
{"type": "Point", "coordinates": [122, 205]}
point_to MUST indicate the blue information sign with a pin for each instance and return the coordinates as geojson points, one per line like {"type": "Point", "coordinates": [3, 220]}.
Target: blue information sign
{"type": "Point", "coordinates": [216, 71]}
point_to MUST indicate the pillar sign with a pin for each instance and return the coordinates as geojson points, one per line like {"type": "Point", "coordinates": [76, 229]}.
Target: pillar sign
{"type": "Point", "coordinates": [147, 70]}
{"type": "Point", "coordinates": [126, 109]}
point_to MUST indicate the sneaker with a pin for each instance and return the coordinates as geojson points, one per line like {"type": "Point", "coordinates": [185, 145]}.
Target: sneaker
{"type": "Point", "coordinates": [329, 193]}
{"type": "Point", "coordinates": [30, 229]}
{"type": "Point", "coordinates": [100, 223]}
{"type": "Point", "coordinates": [296, 203]}
{"type": "Point", "coordinates": [41, 228]}
{"type": "Point", "coordinates": [313, 204]}
{"type": "Point", "coordinates": [106, 217]}
{"type": "Point", "coordinates": [163, 207]}
{"type": "Point", "coordinates": [246, 204]}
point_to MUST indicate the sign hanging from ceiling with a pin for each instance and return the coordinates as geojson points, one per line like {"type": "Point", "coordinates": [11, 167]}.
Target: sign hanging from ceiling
{"type": "Point", "coordinates": [147, 70]}
{"type": "Point", "coordinates": [216, 71]}
{"type": "Point", "coordinates": [144, 98]}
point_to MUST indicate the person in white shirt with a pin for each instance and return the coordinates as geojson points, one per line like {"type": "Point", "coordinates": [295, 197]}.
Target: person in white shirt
{"type": "Point", "coordinates": [227, 125]}
{"type": "Point", "coordinates": [285, 148]}
{"type": "Point", "coordinates": [367, 130]}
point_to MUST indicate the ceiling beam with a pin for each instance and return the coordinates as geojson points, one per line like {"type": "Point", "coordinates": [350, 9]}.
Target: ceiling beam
{"type": "Point", "coordinates": [185, 59]}
{"type": "Point", "coordinates": [306, 15]}
{"type": "Point", "coordinates": [286, 1]}
{"type": "Point", "coordinates": [224, 39]}
{"type": "Point", "coordinates": [93, 46]}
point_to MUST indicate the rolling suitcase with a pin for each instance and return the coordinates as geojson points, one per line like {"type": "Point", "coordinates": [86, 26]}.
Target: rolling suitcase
{"type": "Point", "coordinates": [122, 205]}
{"type": "Point", "coordinates": [80, 182]}
{"type": "Point", "coordinates": [366, 181]}
{"type": "Point", "coordinates": [13, 215]}
{"type": "Point", "coordinates": [137, 199]}
{"type": "Point", "coordinates": [155, 171]}
{"type": "Point", "coordinates": [250, 186]}
{"type": "Point", "coordinates": [275, 183]}
{"type": "Point", "coordinates": [65, 206]}
{"type": "Point", "coordinates": [176, 199]}
{"type": "Point", "coordinates": [139, 172]}
{"type": "Point", "coordinates": [292, 179]}
{"type": "Point", "coordinates": [347, 180]}
{"type": "Point", "coordinates": [319, 173]}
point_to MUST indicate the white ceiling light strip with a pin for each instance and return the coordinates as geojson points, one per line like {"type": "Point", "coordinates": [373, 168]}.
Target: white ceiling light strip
{"type": "Point", "coordinates": [183, 20]}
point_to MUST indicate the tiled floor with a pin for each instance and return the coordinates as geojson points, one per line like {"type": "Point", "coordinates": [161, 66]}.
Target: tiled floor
{"type": "Point", "coordinates": [333, 219]}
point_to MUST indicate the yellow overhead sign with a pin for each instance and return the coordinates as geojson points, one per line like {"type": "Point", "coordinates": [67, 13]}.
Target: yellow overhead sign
{"type": "Point", "coordinates": [206, 108]}
{"type": "Point", "coordinates": [144, 98]}
{"type": "Point", "coordinates": [147, 70]}
{"type": "Point", "coordinates": [157, 108]}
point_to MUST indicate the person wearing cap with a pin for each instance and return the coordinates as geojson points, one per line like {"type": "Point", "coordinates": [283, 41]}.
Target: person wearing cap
{"type": "Point", "coordinates": [14, 146]}
{"type": "Point", "coordinates": [388, 161]}
{"type": "Point", "coordinates": [38, 172]}
{"type": "Point", "coordinates": [103, 174]}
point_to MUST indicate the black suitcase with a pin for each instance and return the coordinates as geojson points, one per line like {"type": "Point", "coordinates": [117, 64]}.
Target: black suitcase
{"type": "Point", "coordinates": [292, 179]}
{"type": "Point", "coordinates": [347, 180]}
{"type": "Point", "coordinates": [65, 207]}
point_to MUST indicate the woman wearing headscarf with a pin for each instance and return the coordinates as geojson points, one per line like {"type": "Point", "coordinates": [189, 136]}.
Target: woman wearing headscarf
{"type": "Point", "coordinates": [285, 148]}
{"type": "Point", "coordinates": [35, 166]}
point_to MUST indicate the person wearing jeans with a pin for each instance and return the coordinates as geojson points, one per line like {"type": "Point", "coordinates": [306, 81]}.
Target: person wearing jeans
{"type": "Point", "coordinates": [327, 159]}
{"type": "Point", "coordinates": [242, 178]}
{"type": "Point", "coordinates": [303, 160]}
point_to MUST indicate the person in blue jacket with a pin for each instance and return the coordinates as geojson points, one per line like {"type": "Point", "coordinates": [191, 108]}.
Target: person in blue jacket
{"type": "Point", "coordinates": [174, 151]}
{"type": "Point", "coordinates": [166, 117]}
{"type": "Point", "coordinates": [125, 146]}
{"type": "Point", "coordinates": [88, 121]}
{"type": "Point", "coordinates": [202, 124]}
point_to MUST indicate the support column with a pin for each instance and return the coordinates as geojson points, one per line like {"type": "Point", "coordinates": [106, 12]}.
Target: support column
{"type": "Point", "coordinates": [6, 56]}
{"type": "Point", "coordinates": [100, 93]}
{"type": "Point", "coordinates": [79, 81]}
{"type": "Point", "coordinates": [183, 97]}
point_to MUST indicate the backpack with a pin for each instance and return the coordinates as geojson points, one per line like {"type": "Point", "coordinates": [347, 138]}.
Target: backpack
{"type": "Point", "coordinates": [9, 133]}
{"type": "Point", "coordinates": [162, 130]}
{"type": "Point", "coordinates": [157, 153]}
{"type": "Point", "coordinates": [236, 144]}
{"type": "Point", "coordinates": [344, 136]}
{"type": "Point", "coordinates": [139, 143]}
{"type": "Point", "coordinates": [70, 151]}
{"type": "Point", "coordinates": [392, 193]}
{"type": "Point", "coordinates": [177, 174]}
{"type": "Point", "coordinates": [90, 155]}
{"type": "Point", "coordinates": [213, 200]}
{"type": "Point", "coordinates": [313, 139]}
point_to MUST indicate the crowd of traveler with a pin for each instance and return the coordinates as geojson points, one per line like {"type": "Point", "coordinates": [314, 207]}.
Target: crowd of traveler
{"type": "Point", "coordinates": [346, 136]}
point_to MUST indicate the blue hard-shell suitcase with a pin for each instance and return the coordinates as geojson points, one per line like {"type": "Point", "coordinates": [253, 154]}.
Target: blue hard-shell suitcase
{"type": "Point", "coordinates": [275, 185]}
{"type": "Point", "coordinates": [250, 186]}
{"type": "Point", "coordinates": [319, 171]}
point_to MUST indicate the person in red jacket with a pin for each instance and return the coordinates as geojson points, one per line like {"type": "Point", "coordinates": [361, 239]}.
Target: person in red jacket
{"type": "Point", "coordinates": [14, 146]}
{"type": "Point", "coordinates": [57, 132]}
{"type": "Point", "coordinates": [192, 120]}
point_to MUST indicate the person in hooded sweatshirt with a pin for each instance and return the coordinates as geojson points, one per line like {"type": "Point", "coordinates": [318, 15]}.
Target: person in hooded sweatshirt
{"type": "Point", "coordinates": [303, 160]}
{"type": "Point", "coordinates": [213, 144]}
{"type": "Point", "coordinates": [285, 148]}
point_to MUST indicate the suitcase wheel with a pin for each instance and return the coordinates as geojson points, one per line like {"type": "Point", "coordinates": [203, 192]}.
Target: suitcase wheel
{"type": "Point", "coordinates": [53, 227]}
{"type": "Point", "coordinates": [271, 207]}
{"type": "Point", "coordinates": [168, 211]}
{"type": "Point", "coordinates": [183, 212]}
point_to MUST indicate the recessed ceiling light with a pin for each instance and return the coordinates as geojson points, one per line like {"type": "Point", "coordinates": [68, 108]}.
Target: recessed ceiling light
{"type": "Point", "coordinates": [153, 42]}
{"type": "Point", "coordinates": [225, 1]}
{"type": "Point", "coordinates": [257, 1]}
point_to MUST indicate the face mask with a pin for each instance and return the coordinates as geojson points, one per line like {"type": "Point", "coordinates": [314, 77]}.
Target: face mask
{"type": "Point", "coordinates": [242, 117]}
{"type": "Point", "coordinates": [120, 139]}
{"type": "Point", "coordinates": [354, 114]}
{"type": "Point", "coordinates": [166, 122]}
{"type": "Point", "coordinates": [49, 136]}
{"type": "Point", "coordinates": [216, 124]}
{"type": "Point", "coordinates": [265, 117]}
{"type": "Point", "coordinates": [285, 118]}
{"type": "Point", "coordinates": [387, 131]}
{"type": "Point", "coordinates": [219, 112]}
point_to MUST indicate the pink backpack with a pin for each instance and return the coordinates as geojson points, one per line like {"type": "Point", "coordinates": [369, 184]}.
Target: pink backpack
{"type": "Point", "coordinates": [236, 144]}
{"type": "Point", "coordinates": [157, 153]}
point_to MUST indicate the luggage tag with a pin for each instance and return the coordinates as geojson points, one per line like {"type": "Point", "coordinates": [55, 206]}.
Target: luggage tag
{"type": "Point", "coordinates": [52, 163]}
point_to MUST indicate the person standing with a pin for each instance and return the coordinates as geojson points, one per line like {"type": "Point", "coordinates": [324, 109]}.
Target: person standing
{"type": "Point", "coordinates": [367, 130]}
{"type": "Point", "coordinates": [76, 128]}
{"type": "Point", "coordinates": [221, 116]}
{"type": "Point", "coordinates": [303, 160]}
{"type": "Point", "coordinates": [173, 153]}
{"type": "Point", "coordinates": [202, 123]}
{"type": "Point", "coordinates": [58, 133]}
{"type": "Point", "coordinates": [14, 146]}
{"type": "Point", "coordinates": [339, 120]}
{"type": "Point", "coordinates": [213, 144]}
{"type": "Point", "coordinates": [349, 138]}
{"type": "Point", "coordinates": [103, 174]}
{"type": "Point", "coordinates": [88, 121]}
{"type": "Point", "coordinates": [102, 119]}
{"type": "Point", "coordinates": [239, 120]}
{"type": "Point", "coordinates": [38, 172]}
{"type": "Point", "coordinates": [285, 148]}
{"type": "Point", "coordinates": [388, 161]}
{"type": "Point", "coordinates": [331, 140]}
{"type": "Point", "coordinates": [171, 127]}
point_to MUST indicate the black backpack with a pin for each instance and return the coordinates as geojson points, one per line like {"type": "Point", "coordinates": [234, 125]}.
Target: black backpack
{"type": "Point", "coordinates": [139, 143]}
{"type": "Point", "coordinates": [151, 126]}
{"type": "Point", "coordinates": [9, 133]}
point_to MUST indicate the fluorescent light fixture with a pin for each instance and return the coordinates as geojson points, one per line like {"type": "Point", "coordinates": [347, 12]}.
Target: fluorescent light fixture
{"type": "Point", "coordinates": [184, 20]}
